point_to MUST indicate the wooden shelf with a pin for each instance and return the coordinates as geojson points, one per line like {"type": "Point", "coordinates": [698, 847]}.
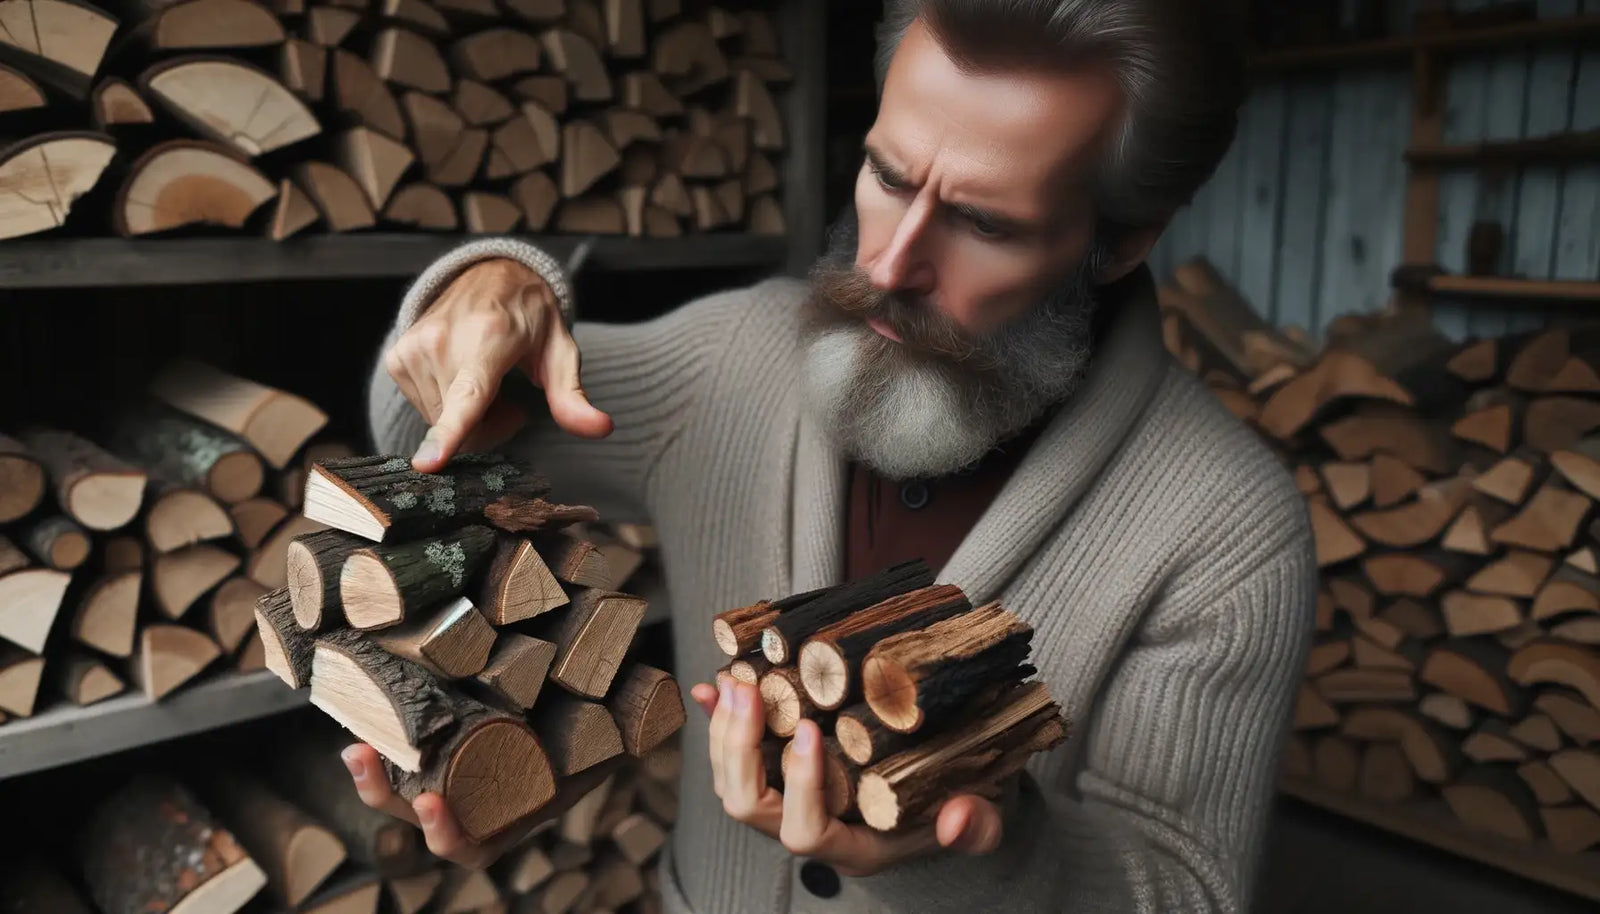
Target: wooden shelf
{"type": "Point", "coordinates": [1432, 823]}
{"type": "Point", "coordinates": [1557, 149]}
{"type": "Point", "coordinates": [1496, 288]}
{"type": "Point", "coordinates": [72, 262]}
{"type": "Point", "coordinates": [1567, 28]}
{"type": "Point", "coordinates": [66, 733]}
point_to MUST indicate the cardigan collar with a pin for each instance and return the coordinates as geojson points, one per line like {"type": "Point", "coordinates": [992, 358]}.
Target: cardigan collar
{"type": "Point", "coordinates": [1085, 431]}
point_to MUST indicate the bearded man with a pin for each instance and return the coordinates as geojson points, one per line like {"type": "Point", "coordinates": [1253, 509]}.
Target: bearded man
{"type": "Point", "coordinates": [974, 376]}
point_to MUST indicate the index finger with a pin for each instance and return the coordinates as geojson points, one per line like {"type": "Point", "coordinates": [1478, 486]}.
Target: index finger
{"type": "Point", "coordinates": [465, 402]}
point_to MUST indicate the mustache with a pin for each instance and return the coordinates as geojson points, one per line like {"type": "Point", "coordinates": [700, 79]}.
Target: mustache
{"type": "Point", "coordinates": [846, 293]}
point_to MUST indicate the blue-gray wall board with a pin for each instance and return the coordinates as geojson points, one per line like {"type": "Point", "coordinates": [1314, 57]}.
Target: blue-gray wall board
{"type": "Point", "coordinates": [1306, 214]}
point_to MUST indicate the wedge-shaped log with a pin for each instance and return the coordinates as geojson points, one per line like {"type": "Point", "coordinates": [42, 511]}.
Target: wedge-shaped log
{"type": "Point", "coordinates": [42, 176]}
{"type": "Point", "coordinates": [577, 734]}
{"type": "Point", "coordinates": [592, 636]}
{"type": "Point", "coordinates": [391, 703]}
{"type": "Point", "coordinates": [287, 647]}
{"type": "Point", "coordinates": [647, 706]}
{"type": "Point", "coordinates": [230, 101]}
{"type": "Point", "coordinates": [452, 641]}
{"type": "Point", "coordinates": [383, 585]}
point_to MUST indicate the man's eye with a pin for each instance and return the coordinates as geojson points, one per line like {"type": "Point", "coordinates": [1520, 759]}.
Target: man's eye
{"type": "Point", "coordinates": [884, 180]}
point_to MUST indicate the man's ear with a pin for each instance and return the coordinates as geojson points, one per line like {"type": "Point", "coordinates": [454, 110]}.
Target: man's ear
{"type": "Point", "coordinates": [1131, 250]}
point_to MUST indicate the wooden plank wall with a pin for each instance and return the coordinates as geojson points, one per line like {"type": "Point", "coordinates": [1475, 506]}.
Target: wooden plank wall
{"type": "Point", "coordinates": [1305, 213]}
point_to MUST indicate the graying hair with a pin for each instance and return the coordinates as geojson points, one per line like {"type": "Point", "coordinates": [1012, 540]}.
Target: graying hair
{"type": "Point", "coordinates": [1180, 72]}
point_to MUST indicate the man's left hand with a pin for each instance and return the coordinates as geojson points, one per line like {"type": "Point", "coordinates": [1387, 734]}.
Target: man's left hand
{"type": "Point", "coordinates": [798, 817]}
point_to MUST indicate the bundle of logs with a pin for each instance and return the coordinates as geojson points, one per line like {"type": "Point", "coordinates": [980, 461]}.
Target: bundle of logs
{"type": "Point", "coordinates": [625, 117]}
{"type": "Point", "coordinates": [918, 694]}
{"type": "Point", "coordinates": [290, 833]}
{"type": "Point", "coordinates": [472, 632]}
{"type": "Point", "coordinates": [1451, 488]}
{"type": "Point", "coordinates": [132, 552]}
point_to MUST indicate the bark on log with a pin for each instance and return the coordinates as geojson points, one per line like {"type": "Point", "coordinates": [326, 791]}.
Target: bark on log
{"type": "Point", "coordinates": [313, 564]}
{"type": "Point", "coordinates": [918, 678]}
{"type": "Point", "coordinates": [98, 489]}
{"type": "Point", "coordinates": [57, 542]}
{"type": "Point", "coordinates": [781, 640]}
{"type": "Point", "coordinates": [177, 447]}
{"type": "Point", "coordinates": [275, 422]}
{"type": "Point", "coordinates": [296, 852]}
{"type": "Point", "coordinates": [830, 659]}
{"type": "Point", "coordinates": [382, 585]}
{"type": "Point", "coordinates": [150, 846]}
{"type": "Point", "coordinates": [287, 647]}
{"type": "Point", "coordinates": [518, 584]}
{"type": "Point", "coordinates": [382, 496]}
{"type": "Point", "coordinates": [387, 701]}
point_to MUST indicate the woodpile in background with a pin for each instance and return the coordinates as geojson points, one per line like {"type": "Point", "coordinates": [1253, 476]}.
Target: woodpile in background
{"type": "Point", "coordinates": [1452, 490]}
{"type": "Point", "coordinates": [918, 694]}
{"type": "Point", "coordinates": [464, 625]}
{"type": "Point", "coordinates": [132, 555]}
{"type": "Point", "coordinates": [620, 117]}
{"type": "Point", "coordinates": [268, 833]}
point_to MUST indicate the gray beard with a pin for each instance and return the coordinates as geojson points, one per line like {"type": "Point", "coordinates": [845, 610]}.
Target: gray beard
{"type": "Point", "coordinates": [911, 412]}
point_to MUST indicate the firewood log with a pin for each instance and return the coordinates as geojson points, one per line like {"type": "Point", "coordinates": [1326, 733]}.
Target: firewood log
{"type": "Point", "coordinates": [21, 673]}
{"type": "Point", "coordinates": [830, 658]}
{"type": "Point", "coordinates": [486, 213]}
{"type": "Point", "coordinates": [518, 583]}
{"type": "Point", "coordinates": [422, 205]}
{"type": "Point", "coordinates": [591, 636]}
{"type": "Point", "coordinates": [905, 788]}
{"type": "Point", "coordinates": [919, 678]}
{"type": "Point", "coordinates": [45, 174]}
{"type": "Point", "coordinates": [97, 489]}
{"type": "Point", "coordinates": [577, 734]}
{"type": "Point", "coordinates": [374, 160]}
{"type": "Point", "coordinates": [178, 578]}
{"type": "Point", "coordinates": [395, 705]}
{"type": "Point", "coordinates": [296, 852]}
{"type": "Point", "coordinates": [781, 639]}
{"type": "Point", "coordinates": [750, 668]}
{"type": "Point", "coordinates": [288, 649]}
{"type": "Point", "coordinates": [61, 41]}
{"type": "Point", "coordinates": [230, 101]}
{"type": "Point", "coordinates": [275, 422]}
{"type": "Point", "coordinates": [230, 612]}
{"type": "Point", "coordinates": [107, 612]}
{"type": "Point", "coordinates": [413, 893]}
{"type": "Point", "coordinates": [1476, 672]}
{"type": "Point", "coordinates": [452, 641]}
{"type": "Point", "coordinates": [56, 541]}
{"type": "Point", "coordinates": [187, 451]}
{"type": "Point", "coordinates": [1492, 801]}
{"type": "Point", "coordinates": [151, 846]}
{"type": "Point", "coordinates": [481, 105]}
{"type": "Point", "coordinates": [491, 772]}
{"type": "Point", "coordinates": [22, 480]}
{"type": "Point", "coordinates": [382, 496]}
{"type": "Point", "coordinates": [169, 655]}
{"type": "Point", "coordinates": [313, 564]}
{"type": "Point", "coordinates": [1554, 663]}
{"type": "Point", "coordinates": [516, 669]}
{"type": "Point", "coordinates": [382, 585]}
{"type": "Point", "coordinates": [577, 58]}
{"type": "Point", "coordinates": [361, 94]}
{"type": "Point", "coordinates": [784, 700]}
{"type": "Point", "coordinates": [647, 706]}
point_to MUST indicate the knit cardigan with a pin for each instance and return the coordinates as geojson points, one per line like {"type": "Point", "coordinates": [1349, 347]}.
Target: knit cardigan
{"type": "Point", "coordinates": [1161, 552]}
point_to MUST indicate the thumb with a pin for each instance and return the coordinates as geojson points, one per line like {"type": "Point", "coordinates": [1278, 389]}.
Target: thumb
{"type": "Point", "coordinates": [556, 369]}
{"type": "Point", "coordinates": [970, 825]}
{"type": "Point", "coordinates": [465, 401]}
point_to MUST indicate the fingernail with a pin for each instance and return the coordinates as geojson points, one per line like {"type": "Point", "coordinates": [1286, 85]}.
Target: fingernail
{"type": "Point", "coordinates": [427, 452]}
{"type": "Point", "coordinates": [805, 740]}
{"type": "Point", "coordinates": [722, 691]}
{"type": "Point", "coordinates": [357, 769]}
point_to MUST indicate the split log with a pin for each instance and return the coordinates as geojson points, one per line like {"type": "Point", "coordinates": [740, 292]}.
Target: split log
{"type": "Point", "coordinates": [391, 703]}
{"type": "Point", "coordinates": [586, 157]}
{"type": "Point", "coordinates": [1467, 614]}
{"type": "Point", "coordinates": [330, 25]}
{"type": "Point", "coordinates": [374, 160]}
{"type": "Point", "coordinates": [753, 101]}
{"type": "Point", "coordinates": [1491, 743]}
{"type": "Point", "coordinates": [920, 678]}
{"type": "Point", "coordinates": [383, 585]}
{"type": "Point", "coordinates": [98, 490]}
{"type": "Point", "coordinates": [1475, 672]}
{"type": "Point", "coordinates": [591, 215]}
{"type": "Point", "coordinates": [1492, 801]}
{"type": "Point", "coordinates": [19, 92]}
{"type": "Point", "coordinates": [1552, 424]}
{"type": "Point", "coordinates": [1537, 731]}
{"type": "Point", "coordinates": [268, 564]}
{"type": "Point", "coordinates": [1554, 663]}
{"type": "Point", "coordinates": [576, 560]}
{"type": "Point", "coordinates": [452, 641]}
{"type": "Point", "coordinates": [407, 58]}
{"type": "Point", "coordinates": [577, 734]}
{"type": "Point", "coordinates": [490, 772]}
{"type": "Point", "coordinates": [536, 195]}
{"type": "Point", "coordinates": [592, 636]}
{"type": "Point", "coordinates": [178, 517]}
{"type": "Point", "coordinates": [486, 213]}
{"type": "Point", "coordinates": [107, 613]}
{"type": "Point", "coordinates": [518, 583]}
{"type": "Point", "coordinates": [170, 655]}
{"type": "Point", "coordinates": [1380, 426]}
{"type": "Point", "coordinates": [647, 707]}
{"type": "Point", "coordinates": [231, 102]}
{"type": "Point", "coordinates": [231, 613]}
{"type": "Point", "coordinates": [422, 205]}
{"type": "Point", "coordinates": [548, 92]}
{"type": "Point", "coordinates": [296, 852]}
{"type": "Point", "coordinates": [1446, 709]}
{"type": "Point", "coordinates": [151, 846]}
{"type": "Point", "coordinates": [1417, 521]}
{"type": "Point", "coordinates": [523, 142]}
{"type": "Point", "coordinates": [1567, 590]}
{"type": "Point", "coordinates": [175, 446]}
{"type": "Point", "coordinates": [416, 13]}
{"type": "Point", "coordinates": [516, 669]}
{"type": "Point", "coordinates": [30, 599]}
{"type": "Point", "coordinates": [781, 639]}
{"type": "Point", "coordinates": [339, 200]}
{"type": "Point", "coordinates": [481, 105]}
{"type": "Point", "coordinates": [639, 838]}
{"type": "Point", "coordinates": [178, 578]}
{"type": "Point", "coordinates": [1336, 541]}
{"type": "Point", "coordinates": [688, 57]}
{"type": "Point", "coordinates": [766, 217]}
{"type": "Point", "coordinates": [750, 668]}
{"type": "Point", "coordinates": [288, 649]}
{"type": "Point", "coordinates": [20, 675]}
{"type": "Point", "coordinates": [22, 480]}
{"type": "Point", "coordinates": [303, 68]}
{"type": "Point", "coordinates": [1385, 775]}
{"type": "Point", "coordinates": [1357, 685]}
{"type": "Point", "coordinates": [382, 496]}
{"type": "Point", "coordinates": [293, 211]}
{"type": "Point", "coordinates": [435, 126]}
{"type": "Point", "coordinates": [495, 54]}
{"type": "Point", "coordinates": [577, 59]}
{"type": "Point", "coordinates": [61, 41]}
{"type": "Point", "coordinates": [413, 893]}
{"type": "Point", "coordinates": [1549, 521]}
{"type": "Point", "coordinates": [905, 788]}
{"type": "Point", "coordinates": [44, 175]}
{"type": "Point", "coordinates": [313, 564]}
{"type": "Point", "coordinates": [643, 91]}
{"type": "Point", "coordinates": [1547, 364]}
{"type": "Point", "coordinates": [275, 422]}
{"type": "Point", "coordinates": [829, 659]}
{"type": "Point", "coordinates": [761, 178]}
{"type": "Point", "coordinates": [57, 542]}
{"type": "Point", "coordinates": [361, 93]}
{"type": "Point", "coordinates": [1571, 829]}
{"type": "Point", "coordinates": [1547, 786]}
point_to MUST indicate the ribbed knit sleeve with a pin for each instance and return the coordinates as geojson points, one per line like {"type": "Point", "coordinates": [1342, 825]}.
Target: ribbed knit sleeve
{"type": "Point", "coordinates": [1174, 795]}
{"type": "Point", "coordinates": [645, 375]}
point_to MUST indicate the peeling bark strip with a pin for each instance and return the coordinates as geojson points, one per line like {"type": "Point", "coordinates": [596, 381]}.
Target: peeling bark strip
{"type": "Point", "coordinates": [781, 639]}
{"type": "Point", "coordinates": [151, 845]}
{"type": "Point", "coordinates": [382, 498]}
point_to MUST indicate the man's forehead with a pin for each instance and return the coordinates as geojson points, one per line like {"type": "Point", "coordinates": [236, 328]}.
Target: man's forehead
{"type": "Point", "coordinates": [1018, 132]}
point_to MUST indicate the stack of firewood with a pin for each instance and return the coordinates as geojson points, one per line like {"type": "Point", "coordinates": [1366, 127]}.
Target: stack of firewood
{"type": "Point", "coordinates": [624, 117]}
{"type": "Point", "coordinates": [918, 693]}
{"type": "Point", "coordinates": [1452, 488]}
{"type": "Point", "coordinates": [466, 627]}
{"type": "Point", "coordinates": [288, 832]}
{"type": "Point", "coordinates": [132, 553]}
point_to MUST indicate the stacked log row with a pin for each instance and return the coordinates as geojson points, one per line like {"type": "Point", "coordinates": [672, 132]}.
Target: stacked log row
{"type": "Point", "coordinates": [462, 624]}
{"type": "Point", "coordinates": [132, 551]}
{"type": "Point", "coordinates": [237, 116]}
{"type": "Point", "coordinates": [918, 694]}
{"type": "Point", "coordinates": [1451, 487]}
{"type": "Point", "coordinates": [288, 832]}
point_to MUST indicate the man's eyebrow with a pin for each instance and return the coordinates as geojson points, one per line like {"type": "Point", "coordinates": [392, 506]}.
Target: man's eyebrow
{"type": "Point", "coordinates": [881, 164]}
{"type": "Point", "coordinates": [968, 211]}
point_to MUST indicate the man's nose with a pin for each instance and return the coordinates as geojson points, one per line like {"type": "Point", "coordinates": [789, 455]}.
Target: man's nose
{"type": "Point", "coordinates": [904, 265]}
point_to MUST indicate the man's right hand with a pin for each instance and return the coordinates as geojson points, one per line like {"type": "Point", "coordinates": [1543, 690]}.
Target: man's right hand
{"type": "Point", "coordinates": [497, 316]}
